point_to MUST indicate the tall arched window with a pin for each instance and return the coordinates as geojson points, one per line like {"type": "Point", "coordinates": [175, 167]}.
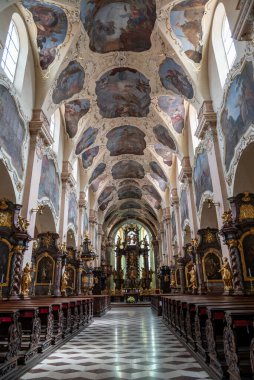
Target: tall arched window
{"type": "Point", "coordinates": [52, 125]}
{"type": "Point", "coordinates": [228, 42]}
{"type": "Point", "coordinates": [11, 52]}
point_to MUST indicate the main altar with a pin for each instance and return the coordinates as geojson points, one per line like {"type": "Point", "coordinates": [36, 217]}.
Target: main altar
{"type": "Point", "coordinates": [132, 273]}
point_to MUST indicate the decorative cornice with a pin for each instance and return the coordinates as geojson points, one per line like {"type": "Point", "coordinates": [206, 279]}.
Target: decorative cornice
{"type": "Point", "coordinates": [39, 127]}
{"type": "Point", "coordinates": [186, 171]}
{"type": "Point", "coordinates": [67, 176]}
{"type": "Point", "coordinates": [207, 118]}
{"type": "Point", "coordinates": [174, 197]}
{"type": "Point", "coordinates": [244, 27]}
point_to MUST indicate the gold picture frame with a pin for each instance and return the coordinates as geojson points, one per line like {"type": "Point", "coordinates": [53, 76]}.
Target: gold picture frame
{"type": "Point", "coordinates": [216, 253]}
{"type": "Point", "coordinates": [45, 254]}
{"type": "Point", "coordinates": [246, 276]}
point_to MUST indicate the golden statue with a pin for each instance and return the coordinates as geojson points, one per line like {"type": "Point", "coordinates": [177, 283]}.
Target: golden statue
{"type": "Point", "coordinates": [143, 273]}
{"type": "Point", "coordinates": [166, 277]}
{"type": "Point", "coordinates": [227, 217]}
{"type": "Point", "coordinates": [226, 274]}
{"type": "Point", "coordinates": [133, 273]}
{"type": "Point", "coordinates": [173, 279]}
{"type": "Point", "coordinates": [26, 280]}
{"type": "Point", "coordinates": [64, 283]}
{"type": "Point", "coordinates": [193, 278]}
{"type": "Point", "coordinates": [23, 223]}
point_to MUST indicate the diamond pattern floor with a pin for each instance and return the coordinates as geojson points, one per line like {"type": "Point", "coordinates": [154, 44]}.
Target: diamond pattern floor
{"type": "Point", "coordinates": [127, 343]}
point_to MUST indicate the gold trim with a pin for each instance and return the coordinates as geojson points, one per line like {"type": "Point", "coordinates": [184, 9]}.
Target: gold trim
{"type": "Point", "coordinates": [6, 218]}
{"type": "Point", "coordinates": [240, 246]}
{"type": "Point", "coordinates": [7, 277]}
{"type": "Point", "coordinates": [46, 254]}
{"type": "Point", "coordinates": [74, 281]}
{"type": "Point", "coordinates": [218, 254]}
{"type": "Point", "coordinates": [246, 212]}
{"type": "Point", "coordinates": [187, 266]}
{"type": "Point", "coordinates": [177, 270]}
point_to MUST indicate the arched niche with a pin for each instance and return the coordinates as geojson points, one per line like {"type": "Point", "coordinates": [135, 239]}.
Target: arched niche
{"type": "Point", "coordinates": [70, 238]}
{"type": "Point", "coordinates": [6, 187]}
{"type": "Point", "coordinates": [44, 222]}
{"type": "Point", "coordinates": [208, 216]}
{"type": "Point", "coordinates": [244, 176]}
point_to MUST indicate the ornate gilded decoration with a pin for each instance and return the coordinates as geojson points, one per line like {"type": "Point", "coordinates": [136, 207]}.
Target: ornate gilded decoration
{"type": "Point", "coordinates": [45, 275]}
{"type": "Point", "coordinates": [47, 241]}
{"type": "Point", "coordinates": [6, 219]}
{"type": "Point", "coordinates": [246, 197]}
{"type": "Point", "coordinates": [209, 237]}
{"type": "Point", "coordinates": [211, 266]}
{"type": "Point", "coordinates": [23, 223]}
{"type": "Point", "coordinates": [64, 282]}
{"type": "Point", "coordinates": [247, 265]}
{"type": "Point", "coordinates": [3, 204]}
{"type": "Point", "coordinates": [227, 276]}
{"type": "Point", "coordinates": [26, 280]}
{"type": "Point", "coordinates": [193, 278]}
{"type": "Point", "coordinates": [246, 212]}
{"type": "Point", "coordinates": [227, 217]}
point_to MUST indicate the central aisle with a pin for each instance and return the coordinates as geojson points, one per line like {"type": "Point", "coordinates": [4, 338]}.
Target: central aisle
{"type": "Point", "coordinates": [127, 343]}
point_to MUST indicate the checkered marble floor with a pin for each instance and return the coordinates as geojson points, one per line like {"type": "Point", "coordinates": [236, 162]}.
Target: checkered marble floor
{"type": "Point", "coordinates": [127, 343]}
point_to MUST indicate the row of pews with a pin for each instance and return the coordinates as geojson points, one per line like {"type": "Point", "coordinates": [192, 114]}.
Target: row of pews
{"type": "Point", "coordinates": [218, 329]}
{"type": "Point", "coordinates": [30, 327]}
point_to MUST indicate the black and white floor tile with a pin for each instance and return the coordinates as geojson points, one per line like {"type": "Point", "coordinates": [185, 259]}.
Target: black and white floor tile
{"type": "Point", "coordinates": [127, 343]}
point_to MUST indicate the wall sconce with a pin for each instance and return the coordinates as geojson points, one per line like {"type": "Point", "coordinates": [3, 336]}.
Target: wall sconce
{"type": "Point", "coordinates": [210, 203]}
{"type": "Point", "coordinates": [39, 209]}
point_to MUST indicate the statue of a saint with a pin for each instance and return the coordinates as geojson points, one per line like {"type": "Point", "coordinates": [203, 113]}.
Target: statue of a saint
{"type": "Point", "coordinates": [193, 278]}
{"type": "Point", "coordinates": [226, 274]}
{"type": "Point", "coordinates": [143, 273]}
{"type": "Point", "coordinates": [166, 277]}
{"type": "Point", "coordinates": [173, 279]}
{"type": "Point", "coordinates": [133, 273]}
{"type": "Point", "coordinates": [64, 282]}
{"type": "Point", "coordinates": [26, 280]}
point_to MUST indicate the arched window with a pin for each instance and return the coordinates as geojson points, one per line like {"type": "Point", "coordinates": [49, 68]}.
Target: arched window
{"type": "Point", "coordinates": [228, 42]}
{"type": "Point", "coordinates": [52, 125]}
{"type": "Point", "coordinates": [11, 52]}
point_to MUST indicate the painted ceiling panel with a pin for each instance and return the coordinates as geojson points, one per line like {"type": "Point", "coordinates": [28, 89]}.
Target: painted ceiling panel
{"type": "Point", "coordinates": [74, 111]}
{"type": "Point", "coordinates": [129, 192]}
{"type": "Point", "coordinates": [70, 82]}
{"type": "Point", "coordinates": [89, 155]}
{"type": "Point", "coordinates": [130, 204]}
{"type": "Point", "coordinates": [118, 25]}
{"type": "Point", "coordinates": [162, 135]}
{"type": "Point", "coordinates": [105, 194]}
{"type": "Point", "coordinates": [88, 138]}
{"type": "Point", "coordinates": [186, 22]}
{"type": "Point", "coordinates": [123, 92]}
{"type": "Point", "coordinates": [158, 175]}
{"type": "Point", "coordinates": [126, 140]}
{"type": "Point", "coordinates": [52, 25]}
{"type": "Point", "coordinates": [165, 153]}
{"type": "Point", "coordinates": [128, 169]}
{"type": "Point", "coordinates": [97, 172]}
{"type": "Point", "coordinates": [174, 78]}
{"type": "Point", "coordinates": [174, 108]}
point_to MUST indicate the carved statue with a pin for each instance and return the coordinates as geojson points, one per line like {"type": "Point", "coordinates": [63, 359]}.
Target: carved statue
{"type": "Point", "coordinates": [173, 279]}
{"type": "Point", "coordinates": [64, 282]}
{"type": "Point", "coordinates": [121, 273]}
{"type": "Point", "coordinates": [143, 273]}
{"type": "Point", "coordinates": [23, 223]}
{"type": "Point", "coordinates": [226, 274]}
{"type": "Point", "coordinates": [133, 273]}
{"type": "Point", "coordinates": [193, 278]}
{"type": "Point", "coordinates": [227, 217]}
{"type": "Point", "coordinates": [166, 277]}
{"type": "Point", "coordinates": [26, 280]}
{"type": "Point", "coordinates": [118, 242]}
{"type": "Point", "coordinates": [114, 274]}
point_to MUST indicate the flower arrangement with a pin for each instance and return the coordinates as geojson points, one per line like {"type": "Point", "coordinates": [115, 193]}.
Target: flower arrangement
{"type": "Point", "coordinates": [131, 299]}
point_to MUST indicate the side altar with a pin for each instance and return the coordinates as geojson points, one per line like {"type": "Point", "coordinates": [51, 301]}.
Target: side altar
{"type": "Point", "coordinates": [132, 270]}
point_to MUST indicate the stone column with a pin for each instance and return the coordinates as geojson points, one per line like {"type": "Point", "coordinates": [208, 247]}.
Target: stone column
{"type": "Point", "coordinates": [68, 182]}
{"type": "Point", "coordinates": [100, 234]}
{"type": "Point", "coordinates": [185, 176]}
{"type": "Point", "coordinates": [167, 226]}
{"type": "Point", "coordinates": [58, 276]}
{"type": "Point", "coordinates": [175, 204]}
{"type": "Point", "coordinates": [40, 138]}
{"type": "Point", "coordinates": [82, 208]}
{"type": "Point", "coordinates": [207, 131]}
{"type": "Point", "coordinates": [155, 244]}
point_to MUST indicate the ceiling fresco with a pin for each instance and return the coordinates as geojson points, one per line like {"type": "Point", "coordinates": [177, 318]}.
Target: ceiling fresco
{"type": "Point", "coordinates": [88, 156]}
{"type": "Point", "coordinates": [126, 140]}
{"type": "Point", "coordinates": [118, 25]}
{"type": "Point", "coordinates": [97, 172]}
{"type": "Point", "coordinates": [88, 138]}
{"type": "Point", "coordinates": [130, 204]}
{"type": "Point", "coordinates": [128, 182]}
{"type": "Point", "coordinates": [105, 204]}
{"type": "Point", "coordinates": [173, 78]}
{"type": "Point", "coordinates": [152, 195]}
{"type": "Point", "coordinates": [128, 169]}
{"type": "Point", "coordinates": [129, 192]}
{"type": "Point", "coordinates": [105, 194]}
{"type": "Point", "coordinates": [123, 92]}
{"type": "Point", "coordinates": [165, 153]}
{"type": "Point", "coordinates": [186, 23]}
{"type": "Point", "coordinates": [162, 135]}
{"type": "Point", "coordinates": [174, 108]}
{"type": "Point", "coordinates": [74, 111]}
{"type": "Point", "coordinates": [52, 26]}
{"type": "Point", "coordinates": [70, 82]}
{"type": "Point", "coordinates": [157, 174]}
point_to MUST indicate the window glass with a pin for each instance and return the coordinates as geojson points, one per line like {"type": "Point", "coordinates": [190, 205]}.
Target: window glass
{"type": "Point", "coordinates": [11, 52]}
{"type": "Point", "coordinates": [228, 43]}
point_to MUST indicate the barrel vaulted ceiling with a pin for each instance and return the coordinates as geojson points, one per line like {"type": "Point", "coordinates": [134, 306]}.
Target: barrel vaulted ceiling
{"type": "Point", "coordinates": [123, 74]}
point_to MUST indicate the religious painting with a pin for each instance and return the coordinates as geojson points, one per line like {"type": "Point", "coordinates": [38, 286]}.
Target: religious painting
{"type": "Point", "coordinates": [129, 192]}
{"type": "Point", "coordinates": [212, 266]}
{"type": "Point", "coordinates": [99, 170]}
{"type": "Point", "coordinates": [45, 271]}
{"type": "Point", "coordinates": [128, 182]}
{"type": "Point", "coordinates": [73, 210]}
{"type": "Point", "coordinates": [165, 153]}
{"type": "Point", "coordinates": [106, 194]}
{"type": "Point", "coordinates": [105, 204]}
{"type": "Point", "coordinates": [158, 174]}
{"type": "Point", "coordinates": [70, 82]}
{"type": "Point", "coordinates": [174, 108]}
{"type": "Point", "coordinates": [163, 136]}
{"type": "Point", "coordinates": [74, 111]}
{"type": "Point", "coordinates": [87, 139]}
{"type": "Point", "coordinates": [123, 92]}
{"type": "Point", "coordinates": [98, 181]}
{"type": "Point", "coordinates": [12, 130]}
{"type": "Point", "coordinates": [130, 204]}
{"type": "Point", "coordinates": [238, 113]}
{"type": "Point", "coordinates": [173, 78]}
{"type": "Point", "coordinates": [4, 262]}
{"type": "Point", "coordinates": [52, 26]}
{"type": "Point", "coordinates": [89, 155]}
{"type": "Point", "coordinates": [248, 255]}
{"type": "Point", "coordinates": [186, 23]}
{"type": "Point", "coordinates": [118, 25]}
{"type": "Point", "coordinates": [128, 169]}
{"type": "Point", "coordinates": [126, 140]}
{"type": "Point", "coordinates": [184, 206]}
{"type": "Point", "coordinates": [202, 177]}
{"type": "Point", "coordinates": [173, 224]}
{"type": "Point", "coordinates": [152, 195]}
{"type": "Point", "coordinates": [49, 183]}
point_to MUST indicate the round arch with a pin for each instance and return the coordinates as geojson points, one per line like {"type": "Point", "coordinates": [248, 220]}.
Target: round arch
{"type": "Point", "coordinates": [44, 222]}
{"type": "Point", "coordinates": [6, 189]}
{"type": "Point", "coordinates": [244, 176]}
